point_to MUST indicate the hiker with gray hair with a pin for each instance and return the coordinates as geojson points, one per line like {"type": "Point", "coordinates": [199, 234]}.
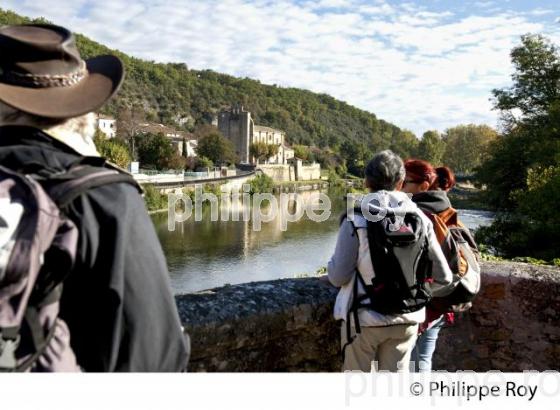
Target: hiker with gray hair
{"type": "Point", "coordinates": [83, 280]}
{"type": "Point", "coordinates": [387, 263]}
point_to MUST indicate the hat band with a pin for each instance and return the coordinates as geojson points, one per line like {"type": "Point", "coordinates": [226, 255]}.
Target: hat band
{"type": "Point", "coordinates": [44, 80]}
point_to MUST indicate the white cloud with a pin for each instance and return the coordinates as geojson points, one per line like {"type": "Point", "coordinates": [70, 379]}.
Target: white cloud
{"type": "Point", "coordinates": [540, 12]}
{"type": "Point", "coordinates": [420, 68]}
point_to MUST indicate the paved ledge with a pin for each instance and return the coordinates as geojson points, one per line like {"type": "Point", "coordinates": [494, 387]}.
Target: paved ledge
{"type": "Point", "coordinates": [287, 325]}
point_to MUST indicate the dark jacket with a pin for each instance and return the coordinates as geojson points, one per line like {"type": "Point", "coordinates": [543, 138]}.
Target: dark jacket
{"type": "Point", "coordinates": [432, 201]}
{"type": "Point", "coordinates": [117, 300]}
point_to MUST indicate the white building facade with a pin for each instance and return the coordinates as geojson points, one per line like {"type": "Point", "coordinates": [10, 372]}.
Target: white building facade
{"type": "Point", "coordinates": [107, 125]}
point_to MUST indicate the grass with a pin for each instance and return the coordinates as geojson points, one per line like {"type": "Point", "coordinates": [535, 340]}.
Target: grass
{"type": "Point", "coordinates": [487, 255]}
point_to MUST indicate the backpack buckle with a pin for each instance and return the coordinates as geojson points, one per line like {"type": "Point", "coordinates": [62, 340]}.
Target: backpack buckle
{"type": "Point", "coordinates": [8, 347]}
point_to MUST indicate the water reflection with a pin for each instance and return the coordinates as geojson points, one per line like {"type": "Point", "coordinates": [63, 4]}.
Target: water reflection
{"type": "Point", "coordinates": [206, 254]}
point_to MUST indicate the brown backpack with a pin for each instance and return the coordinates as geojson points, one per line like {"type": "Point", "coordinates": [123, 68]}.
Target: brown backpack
{"type": "Point", "coordinates": [461, 252]}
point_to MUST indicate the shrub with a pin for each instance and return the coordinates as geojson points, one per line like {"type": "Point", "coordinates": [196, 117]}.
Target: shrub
{"type": "Point", "coordinates": [154, 199]}
{"type": "Point", "coordinates": [262, 183]}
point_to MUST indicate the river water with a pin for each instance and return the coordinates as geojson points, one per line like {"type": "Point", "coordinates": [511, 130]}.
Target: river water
{"type": "Point", "coordinates": [206, 254]}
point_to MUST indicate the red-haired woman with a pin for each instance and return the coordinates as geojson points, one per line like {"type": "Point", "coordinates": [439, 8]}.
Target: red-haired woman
{"type": "Point", "coordinates": [429, 187]}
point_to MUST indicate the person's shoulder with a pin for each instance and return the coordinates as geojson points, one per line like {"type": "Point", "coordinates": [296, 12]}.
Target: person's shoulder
{"type": "Point", "coordinates": [355, 220]}
{"type": "Point", "coordinates": [425, 220]}
{"type": "Point", "coordinates": [118, 198]}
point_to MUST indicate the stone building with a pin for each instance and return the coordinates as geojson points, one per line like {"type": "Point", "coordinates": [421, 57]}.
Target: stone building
{"type": "Point", "coordinates": [237, 125]}
{"type": "Point", "coordinates": [183, 142]}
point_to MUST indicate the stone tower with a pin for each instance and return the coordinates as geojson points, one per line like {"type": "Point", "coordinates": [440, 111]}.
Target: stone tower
{"type": "Point", "coordinates": [237, 126]}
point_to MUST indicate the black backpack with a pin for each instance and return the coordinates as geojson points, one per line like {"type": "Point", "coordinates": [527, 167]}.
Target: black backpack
{"type": "Point", "coordinates": [401, 265]}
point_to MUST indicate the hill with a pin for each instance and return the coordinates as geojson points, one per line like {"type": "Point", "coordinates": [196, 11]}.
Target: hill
{"type": "Point", "coordinates": [171, 91]}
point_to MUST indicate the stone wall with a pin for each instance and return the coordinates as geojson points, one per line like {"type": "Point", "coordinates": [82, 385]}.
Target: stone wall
{"type": "Point", "coordinates": [514, 324]}
{"type": "Point", "coordinates": [282, 325]}
{"type": "Point", "coordinates": [287, 325]}
{"type": "Point", "coordinates": [279, 173]}
{"type": "Point", "coordinates": [291, 172]}
{"type": "Point", "coordinates": [309, 172]}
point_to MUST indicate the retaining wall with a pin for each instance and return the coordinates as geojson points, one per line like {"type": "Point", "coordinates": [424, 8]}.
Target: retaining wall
{"type": "Point", "coordinates": [287, 325]}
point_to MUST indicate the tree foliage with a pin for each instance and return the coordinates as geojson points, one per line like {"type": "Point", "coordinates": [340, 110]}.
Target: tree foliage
{"type": "Point", "coordinates": [302, 152]}
{"type": "Point", "coordinates": [112, 149]}
{"type": "Point", "coordinates": [156, 151]}
{"type": "Point", "coordinates": [535, 81]}
{"type": "Point", "coordinates": [466, 146]}
{"type": "Point", "coordinates": [404, 144]}
{"type": "Point", "coordinates": [431, 148]}
{"type": "Point", "coordinates": [522, 173]}
{"type": "Point", "coordinates": [262, 151]}
{"type": "Point", "coordinates": [216, 148]}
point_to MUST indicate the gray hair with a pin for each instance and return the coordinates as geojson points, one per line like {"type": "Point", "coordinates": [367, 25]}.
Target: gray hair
{"type": "Point", "coordinates": [77, 132]}
{"type": "Point", "coordinates": [385, 171]}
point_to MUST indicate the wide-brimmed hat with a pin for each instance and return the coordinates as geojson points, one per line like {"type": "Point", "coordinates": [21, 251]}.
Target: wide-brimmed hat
{"type": "Point", "coordinates": [42, 73]}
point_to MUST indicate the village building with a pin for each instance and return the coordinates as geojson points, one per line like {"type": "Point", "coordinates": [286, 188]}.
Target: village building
{"type": "Point", "coordinates": [107, 125]}
{"type": "Point", "coordinates": [237, 125]}
{"type": "Point", "coordinates": [184, 143]}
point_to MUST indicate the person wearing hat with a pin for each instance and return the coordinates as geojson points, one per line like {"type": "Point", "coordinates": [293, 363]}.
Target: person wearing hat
{"type": "Point", "coordinates": [117, 300]}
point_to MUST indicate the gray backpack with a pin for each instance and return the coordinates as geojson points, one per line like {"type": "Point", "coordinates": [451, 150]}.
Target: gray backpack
{"type": "Point", "coordinates": [37, 251]}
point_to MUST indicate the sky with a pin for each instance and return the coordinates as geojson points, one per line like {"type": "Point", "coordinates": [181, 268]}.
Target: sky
{"type": "Point", "coordinates": [425, 64]}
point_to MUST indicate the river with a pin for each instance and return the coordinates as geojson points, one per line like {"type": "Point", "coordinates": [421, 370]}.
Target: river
{"type": "Point", "coordinates": [205, 254]}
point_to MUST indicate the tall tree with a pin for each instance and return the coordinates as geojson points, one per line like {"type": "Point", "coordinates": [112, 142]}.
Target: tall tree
{"type": "Point", "coordinates": [523, 171]}
{"type": "Point", "coordinates": [404, 143]}
{"type": "Point", "coordinates": [129, 118]}
{"type": "Point", "coordinates": [535, 81]}
{"type": "Point", "coordinates": [216, 148]}
{"type": "Point", "coordinates": [262, 151]}
{"type": "Point", "coordinates": [431, 148]}
{"type": "Point", "coordinates": [466, 146]}
{"type": "Point", "coordinates": [156, 151]}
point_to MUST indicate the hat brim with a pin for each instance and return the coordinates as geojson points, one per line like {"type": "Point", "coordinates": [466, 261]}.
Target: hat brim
{"type": "Point", "coordinates": [104, 78]}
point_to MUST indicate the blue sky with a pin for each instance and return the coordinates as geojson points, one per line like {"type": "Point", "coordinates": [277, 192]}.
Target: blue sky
{"type": "Point", "coordinates": [422, 65]}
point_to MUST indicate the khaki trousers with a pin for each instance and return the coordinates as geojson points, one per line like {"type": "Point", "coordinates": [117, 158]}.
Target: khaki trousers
{"type": "Point", "coordinates": [387, 345]}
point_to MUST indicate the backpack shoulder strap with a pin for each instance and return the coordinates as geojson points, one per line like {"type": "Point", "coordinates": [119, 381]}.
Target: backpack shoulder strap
{"type": "Point", "coordinates": [449, 216]}
{"type": "Point", "coordinates": [82, 176]}
{"type": "Point", "coordinates": [439, 225]}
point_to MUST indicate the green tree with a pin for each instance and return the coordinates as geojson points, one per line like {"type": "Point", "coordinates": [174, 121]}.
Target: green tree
{"type": "Point", "coordinates": [431, 148]}
{"type": "Point", "coordinates": [204, 163]}
{"type": "Point", "coordinates": [466, 146]}
{"type": "Point", "coordinates": [112, 149]}
{"type": "Point", "coordinates": [522, 172]}
{"type": "Point", "coordinates": [404, 144]}
{"type": "Point", "coordinates": [355, 156]}
{"type": "Point", "coordinates": [301, 152]}
{"type": "Point", "coordinates": [272, 150]}
{"type": "Point", "coordinates": [155, 151]}
{"type": "Point", "coordinates": [261, 183]}
{"type": "Point", "coordinates": [216, 148]}
{"type": "Point", "coordinates": [262, 151]}
{"type": "Point", "coordinates": [535, 81]}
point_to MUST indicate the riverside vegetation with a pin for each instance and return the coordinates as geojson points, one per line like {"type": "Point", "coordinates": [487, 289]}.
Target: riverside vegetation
{"type": "Point", "coordinates": [156, 201]}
